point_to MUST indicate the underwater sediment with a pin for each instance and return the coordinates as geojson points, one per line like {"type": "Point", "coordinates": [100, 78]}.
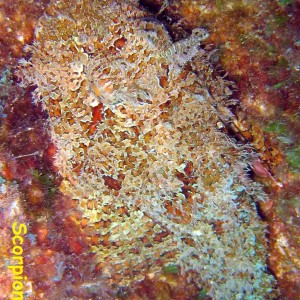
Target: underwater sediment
{"type": "Point", "coordinates": [136, 121]}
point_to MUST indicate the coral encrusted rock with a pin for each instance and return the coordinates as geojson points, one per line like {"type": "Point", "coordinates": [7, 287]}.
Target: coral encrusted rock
{"type": "Point", "coordinates": [135, 120]}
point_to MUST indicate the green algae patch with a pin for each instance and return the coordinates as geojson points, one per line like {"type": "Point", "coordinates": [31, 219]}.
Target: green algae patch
{"type": "Point", "coordinates": [285, 2]}
{"type": "Point", "coordinates": [171, 269]}
{"type": "Point", "coordinates": [276, 127]}
{"type": "Point", "coordinates": [202, 294]}
{"type": "Point", "coordinates": [293, 157]}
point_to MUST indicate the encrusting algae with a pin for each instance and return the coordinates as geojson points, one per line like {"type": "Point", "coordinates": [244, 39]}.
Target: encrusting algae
{"type": "Point", "coordinates": [135, 119]}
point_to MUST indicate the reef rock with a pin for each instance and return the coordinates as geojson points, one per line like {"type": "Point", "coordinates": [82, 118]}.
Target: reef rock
{"type": "Point", "coordinates": [134, 117]}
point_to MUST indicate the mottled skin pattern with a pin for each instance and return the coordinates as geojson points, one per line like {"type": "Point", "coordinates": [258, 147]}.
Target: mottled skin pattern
{"type": "Point", "coordinates": [134, 118]}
